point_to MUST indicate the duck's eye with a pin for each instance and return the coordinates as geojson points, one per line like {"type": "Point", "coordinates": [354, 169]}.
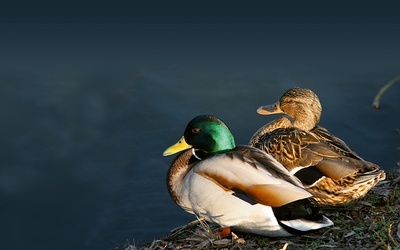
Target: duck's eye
{"type": "Point", "coordinates": [195, 130]}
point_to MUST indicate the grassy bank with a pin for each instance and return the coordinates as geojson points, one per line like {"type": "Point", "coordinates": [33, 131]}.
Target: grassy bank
{"type": "Point", "coordinates": [370, 223]}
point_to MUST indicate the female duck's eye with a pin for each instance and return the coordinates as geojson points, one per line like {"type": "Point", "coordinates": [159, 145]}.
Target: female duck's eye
{"type": "Point", "coordinates": [195, 130]}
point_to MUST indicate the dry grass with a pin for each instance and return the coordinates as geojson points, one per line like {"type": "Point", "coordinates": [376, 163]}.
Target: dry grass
{"type": "Point", "coordinates": [370, 223]}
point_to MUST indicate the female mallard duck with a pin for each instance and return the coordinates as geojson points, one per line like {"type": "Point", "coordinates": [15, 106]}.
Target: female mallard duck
{"type": "Point", "coordinates": [327, 167]}
{"type": "Point", "coordinates": [238, 187]}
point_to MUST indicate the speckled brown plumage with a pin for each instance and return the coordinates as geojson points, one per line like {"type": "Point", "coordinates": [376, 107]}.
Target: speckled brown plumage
{"type": "Point", "coordinates": [327, 167]}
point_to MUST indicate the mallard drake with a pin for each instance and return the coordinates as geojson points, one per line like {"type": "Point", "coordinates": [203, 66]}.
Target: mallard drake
{"type": "Point", "coordinates": [238, 187]}
{"type": "Point", "coordinates": [326, 166]}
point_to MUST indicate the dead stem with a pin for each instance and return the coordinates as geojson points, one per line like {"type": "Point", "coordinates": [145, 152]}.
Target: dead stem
{"type": "Point", "coordinates": [375, 104]}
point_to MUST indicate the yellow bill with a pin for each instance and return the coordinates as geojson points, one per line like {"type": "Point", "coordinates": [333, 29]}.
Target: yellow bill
{"type": "Point", "coordinates": [177, 147]}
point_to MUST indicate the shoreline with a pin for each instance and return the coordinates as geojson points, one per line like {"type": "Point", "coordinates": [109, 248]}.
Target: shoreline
{"type": "Point", "coordinates": [372, 222]}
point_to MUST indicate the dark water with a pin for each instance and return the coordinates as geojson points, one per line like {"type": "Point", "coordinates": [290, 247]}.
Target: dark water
{"type": "Point", "coordinates": [90, 98]}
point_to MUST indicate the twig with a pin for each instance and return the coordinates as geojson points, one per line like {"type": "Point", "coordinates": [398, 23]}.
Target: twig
{"type": "Point", "coordinates": [180, 230]}
{"type": "Point", "coordinates": [375, 104]}
{"type": "Point", "coordinates": [396, 180]}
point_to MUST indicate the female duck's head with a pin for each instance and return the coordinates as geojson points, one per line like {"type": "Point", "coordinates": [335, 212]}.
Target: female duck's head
{"type": "Point", "coordinates": [301, 105]}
